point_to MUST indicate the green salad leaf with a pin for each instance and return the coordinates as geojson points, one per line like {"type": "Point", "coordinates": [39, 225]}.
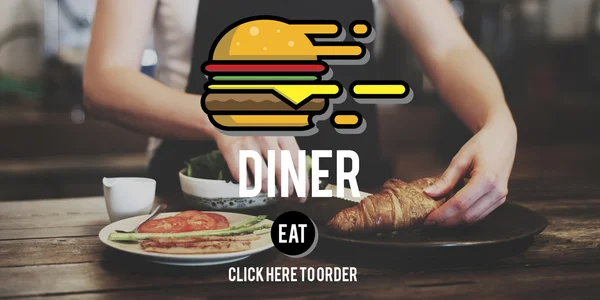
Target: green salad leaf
{"type": "Point", "coordinates": [209, 166]}
{"type": "Point", "coordinates": [213, 166]}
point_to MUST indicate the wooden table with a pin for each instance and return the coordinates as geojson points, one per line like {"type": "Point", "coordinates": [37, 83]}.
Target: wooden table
{"type": "Point", "coordinates": [50, 249]}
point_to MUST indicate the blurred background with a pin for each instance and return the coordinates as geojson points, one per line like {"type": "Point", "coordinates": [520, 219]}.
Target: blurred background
{"type": "Point", "coordinates": [546, 52]}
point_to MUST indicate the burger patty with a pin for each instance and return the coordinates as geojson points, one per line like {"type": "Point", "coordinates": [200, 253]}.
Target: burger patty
{"type": "Point", "coordinates": [256, 102]}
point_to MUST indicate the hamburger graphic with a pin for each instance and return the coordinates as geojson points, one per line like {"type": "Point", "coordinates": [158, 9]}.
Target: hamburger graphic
{"type": "Point", "coordinates": [265, 73]}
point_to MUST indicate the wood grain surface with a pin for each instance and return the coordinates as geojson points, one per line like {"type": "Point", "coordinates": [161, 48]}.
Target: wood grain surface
{"type": "Point", "coordinates": [49, 249]}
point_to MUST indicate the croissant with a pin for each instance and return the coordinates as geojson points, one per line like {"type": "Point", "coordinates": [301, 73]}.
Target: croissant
{"type": "Point", "coordinates": [397, 205]}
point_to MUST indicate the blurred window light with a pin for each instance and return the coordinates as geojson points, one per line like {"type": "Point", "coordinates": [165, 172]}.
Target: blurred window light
{"type": "Point", "coordinates": [459, 8]}
{"type": "Point", "coordinates": [568, 20]}
{"type": "Point", "coordinates": [531, 8]}
{"type": "Point", "coordinates": [598, 22]}
{"type": "Point", "coordinates": [67, 24]}
{"type": "Point", "coordinates": [149, 58]}
{"type": "Point", "coordinates": [508, 13]}
{"type": "Point", "coordinates": [534, 21]}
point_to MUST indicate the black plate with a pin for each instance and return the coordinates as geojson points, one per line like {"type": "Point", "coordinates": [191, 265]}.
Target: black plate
{"type": "Point", "coordinates": [507, 231]}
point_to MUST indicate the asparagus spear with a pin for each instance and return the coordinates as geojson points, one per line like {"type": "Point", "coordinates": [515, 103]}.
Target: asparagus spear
{"type": "Point", "coordinates": [115, 236]}
{"type": "Point", "coordinates": [248, 222]}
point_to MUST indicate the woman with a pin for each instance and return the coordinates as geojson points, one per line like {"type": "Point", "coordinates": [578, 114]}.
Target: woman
{"type": "Point", "coordinates": [117, 90]}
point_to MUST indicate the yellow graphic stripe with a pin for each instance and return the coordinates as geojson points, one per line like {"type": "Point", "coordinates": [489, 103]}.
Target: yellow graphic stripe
{"type": "Point", "coordinates": [338, 50]}
{"type": "Point", "coordinates": [296, 93]}
{"type": "Point", "coordinates": [379, 89]}
{"type": "Point", "coordinates": [346, 119]}
{"type": "Point", "coordinates": [316, 28]}
{"type": "Point", "coordinates": [360, 28]}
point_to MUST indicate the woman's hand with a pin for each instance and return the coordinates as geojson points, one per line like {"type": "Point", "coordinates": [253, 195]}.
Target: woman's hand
{"type": "Point", "coordinates": [230, 146]}
{"type": "Point", "coordinates": [488, 156]}
{"type": "Point", "coordinates": [466, 81]}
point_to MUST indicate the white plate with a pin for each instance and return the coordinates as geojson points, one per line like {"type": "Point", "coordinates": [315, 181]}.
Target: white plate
{"type": "Point", "coordinates": [257, 246]}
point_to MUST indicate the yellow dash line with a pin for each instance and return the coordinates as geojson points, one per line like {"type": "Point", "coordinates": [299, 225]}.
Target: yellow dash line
{"type": "Point", "coordinates": [316, 28]}
{"type": "Point", "coordinates": [346, 119]}
{"type": "Point", "coordinates": [339, 50]}
{"type": "Point", "coordinates": [360, 28]}
{"type": "Point", "coordinates": [379, 89]}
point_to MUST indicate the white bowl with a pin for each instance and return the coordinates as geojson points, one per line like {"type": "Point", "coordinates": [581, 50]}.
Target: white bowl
{"type": "Point", "coordinates": [208, 194]}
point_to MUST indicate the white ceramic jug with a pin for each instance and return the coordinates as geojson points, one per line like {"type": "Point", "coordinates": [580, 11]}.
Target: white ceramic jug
{"type": "Point", "coordinates": [128, 196]}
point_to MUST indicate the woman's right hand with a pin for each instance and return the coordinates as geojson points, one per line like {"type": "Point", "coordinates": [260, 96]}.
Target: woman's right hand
{"type": "Point", "coordinates": [230, 147]}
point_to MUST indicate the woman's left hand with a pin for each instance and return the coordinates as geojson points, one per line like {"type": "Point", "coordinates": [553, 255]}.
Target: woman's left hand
{"type": "Point", "coordinates": [489, 157]}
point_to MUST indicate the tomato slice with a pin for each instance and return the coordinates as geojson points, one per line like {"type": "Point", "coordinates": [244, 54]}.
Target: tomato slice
{"type": "Point", "coordinates": [165, 225]}
{"type": "Point", "coordinates": [198, 220]}
{"type": "Point", "coordinates": [201, 222]}
{"type": "Point", "coordinates": [220, 221]}
{"type": "Point", "coordinates": [189, 214]}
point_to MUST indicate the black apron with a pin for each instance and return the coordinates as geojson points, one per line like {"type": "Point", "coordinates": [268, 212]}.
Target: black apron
{"type": "Point", "coordinates": [213, 17]}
